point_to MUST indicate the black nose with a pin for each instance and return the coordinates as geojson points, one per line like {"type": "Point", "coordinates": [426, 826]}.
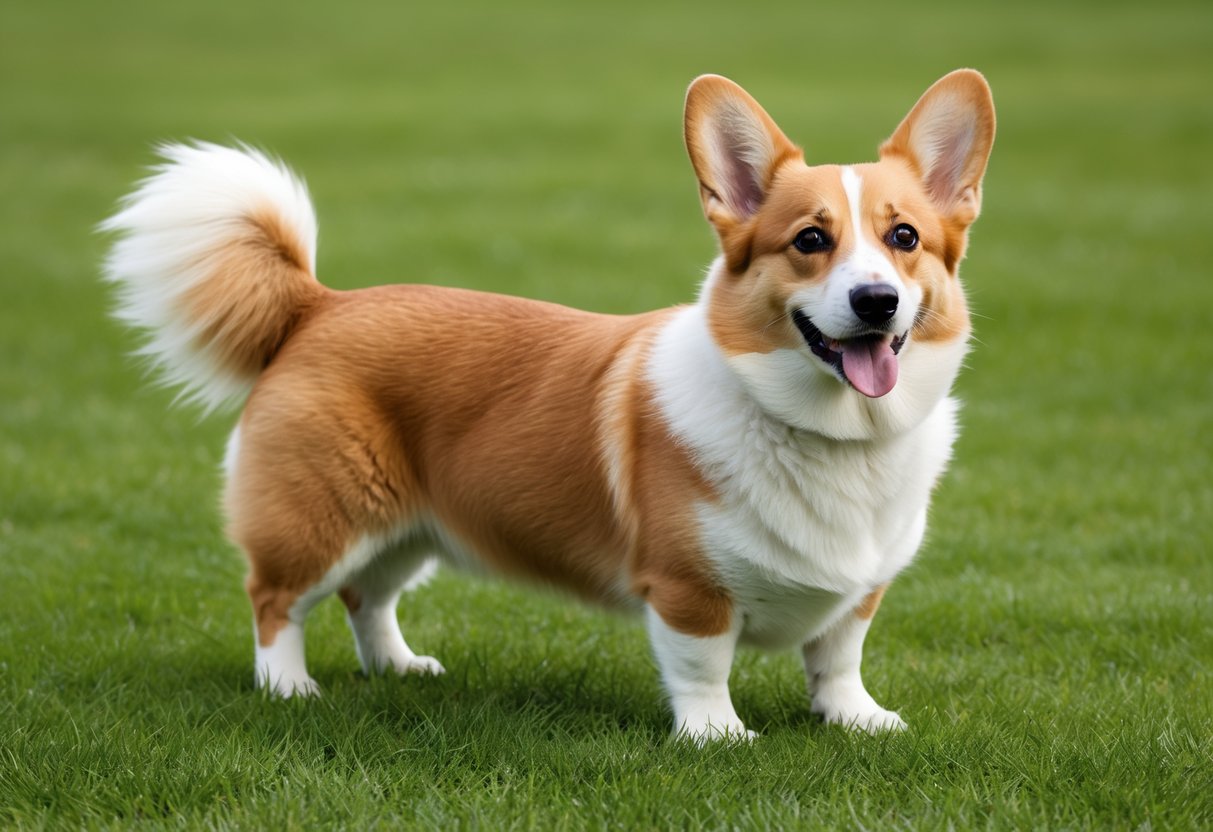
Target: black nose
{"type": "Point", "coordinates": [874, 303]}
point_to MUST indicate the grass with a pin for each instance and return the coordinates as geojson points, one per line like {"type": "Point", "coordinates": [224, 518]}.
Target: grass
{"type": "Point", "coordinates": [1052, 647]}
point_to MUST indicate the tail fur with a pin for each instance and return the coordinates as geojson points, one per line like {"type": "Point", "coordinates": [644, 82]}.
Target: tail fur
{"type": "Point", "coordinates": [216, 263]}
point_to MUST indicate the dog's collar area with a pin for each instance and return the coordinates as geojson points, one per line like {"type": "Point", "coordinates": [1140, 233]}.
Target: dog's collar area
{"type": "Point", "coordinates": [866, 362]}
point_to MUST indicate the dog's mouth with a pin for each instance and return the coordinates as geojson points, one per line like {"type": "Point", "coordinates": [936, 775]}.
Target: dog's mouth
{"type": "Point", "coordinates": [867, 362]}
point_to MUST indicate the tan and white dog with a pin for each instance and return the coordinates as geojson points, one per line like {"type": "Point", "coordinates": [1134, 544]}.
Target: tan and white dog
{"type": "Point", "coordinates": [752, 468]}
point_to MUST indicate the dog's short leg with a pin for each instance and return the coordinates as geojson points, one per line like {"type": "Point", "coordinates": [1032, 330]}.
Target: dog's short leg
{"type": "Point", "coordinates": [370, 603]}
{"type": "Point", "coordinates": [695, 671]}
{"type": "Point", "coordinates": [280, 665]}
{"type": "Point", "coordinates": [831, 665]}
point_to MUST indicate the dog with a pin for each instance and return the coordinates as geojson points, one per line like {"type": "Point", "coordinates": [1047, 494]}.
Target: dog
{"type": "Point", "coordinates": [752, 468]}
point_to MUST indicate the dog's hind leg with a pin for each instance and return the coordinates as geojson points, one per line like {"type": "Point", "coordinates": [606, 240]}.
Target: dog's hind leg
{"type": "Point", "coordinates": [370, 600]}
{"type": "Point", "coordinates": [831, 666]}
{"type": "Point", "coordinates": [280, 664]}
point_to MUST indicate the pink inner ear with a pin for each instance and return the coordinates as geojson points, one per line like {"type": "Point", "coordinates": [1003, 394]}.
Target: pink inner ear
{"type": "Point", "coordinates": [741, 179]}
{"type": "Point", "coordinates": [946, 150]}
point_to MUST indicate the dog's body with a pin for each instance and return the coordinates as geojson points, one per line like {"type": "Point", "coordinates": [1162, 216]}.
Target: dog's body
{"type": "Point", "coordinates": [753, 468]}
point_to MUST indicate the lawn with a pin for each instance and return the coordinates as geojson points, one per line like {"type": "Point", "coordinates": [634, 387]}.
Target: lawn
{"type": "Point", "coordinates": [1053, 645]}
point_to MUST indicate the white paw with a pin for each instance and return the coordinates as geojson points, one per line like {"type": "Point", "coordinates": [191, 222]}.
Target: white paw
{"type": "Point", "coordinates": [850, 706]}
{"type": "Point", "coordinates": [873, 723]}
{"type": "Point", "coordinates": [403, 662]}
{"type": "Point", "coordinates": [285, 687]}
{"type": "Point", "coordinates": [423, 665]}
{"type": "Point", "coordinates": [703, 732]}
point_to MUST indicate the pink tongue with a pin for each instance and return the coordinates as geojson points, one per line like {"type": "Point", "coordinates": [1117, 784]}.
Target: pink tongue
{"type": "Point", "coordinates": [870, 365]}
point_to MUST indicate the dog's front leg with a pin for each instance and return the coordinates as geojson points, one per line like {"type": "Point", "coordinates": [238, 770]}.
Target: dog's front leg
{"type": "Point", "coordinates": [695, 670]}
{"type": "Point", "coordinates": [831, 666]}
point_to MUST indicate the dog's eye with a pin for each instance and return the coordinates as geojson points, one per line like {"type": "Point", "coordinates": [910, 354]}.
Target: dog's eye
{"type": "Point", "coordinates": [904, 237]}
{"type": "Point", "coordinates": [812, 240]}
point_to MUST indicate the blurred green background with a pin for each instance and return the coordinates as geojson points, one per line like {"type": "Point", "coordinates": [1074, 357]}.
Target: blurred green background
{"type": "Point", "coordinates": [1060, 613]}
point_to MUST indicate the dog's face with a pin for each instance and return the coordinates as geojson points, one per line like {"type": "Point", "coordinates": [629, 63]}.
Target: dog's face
{"type": "Point", "coordinates": [836, 283]}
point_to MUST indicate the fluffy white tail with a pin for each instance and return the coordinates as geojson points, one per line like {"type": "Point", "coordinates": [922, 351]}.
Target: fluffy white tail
{"type": "Point", "coordinates": [217, 263]}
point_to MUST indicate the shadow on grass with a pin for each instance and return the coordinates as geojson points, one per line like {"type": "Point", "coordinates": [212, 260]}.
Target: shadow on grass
{"type": "Point", "coordinates": [472, 699]}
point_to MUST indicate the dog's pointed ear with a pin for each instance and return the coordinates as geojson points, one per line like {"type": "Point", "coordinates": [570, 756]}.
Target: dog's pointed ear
{"type": "Point", "coordinates": [947, 138]}
{"type": "Point", "coordinates": [735, 148]}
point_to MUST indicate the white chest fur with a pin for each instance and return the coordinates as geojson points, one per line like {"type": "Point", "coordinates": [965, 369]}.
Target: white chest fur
{"type": "Point", "coordinates": [805, 524]}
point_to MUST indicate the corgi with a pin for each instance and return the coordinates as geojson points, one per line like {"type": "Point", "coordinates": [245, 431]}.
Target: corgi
{"type": "Point", "coordinates": [752, 468]}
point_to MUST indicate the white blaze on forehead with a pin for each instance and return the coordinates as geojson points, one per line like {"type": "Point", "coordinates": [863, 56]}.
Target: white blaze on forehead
{"type": "Point", "coordinates": [866, 262]}
{"type": "Point", "coordinates": [866, 256]}
{"type": "Point", "coordinates": [852, 185]}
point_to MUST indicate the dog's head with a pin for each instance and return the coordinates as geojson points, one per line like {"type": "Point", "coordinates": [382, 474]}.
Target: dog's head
{"type": "Point", "coordinates": [837, 297]}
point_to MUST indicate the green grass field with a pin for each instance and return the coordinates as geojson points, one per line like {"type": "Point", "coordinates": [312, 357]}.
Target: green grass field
{"type": "Point", "coordinates": [1052, 647]}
